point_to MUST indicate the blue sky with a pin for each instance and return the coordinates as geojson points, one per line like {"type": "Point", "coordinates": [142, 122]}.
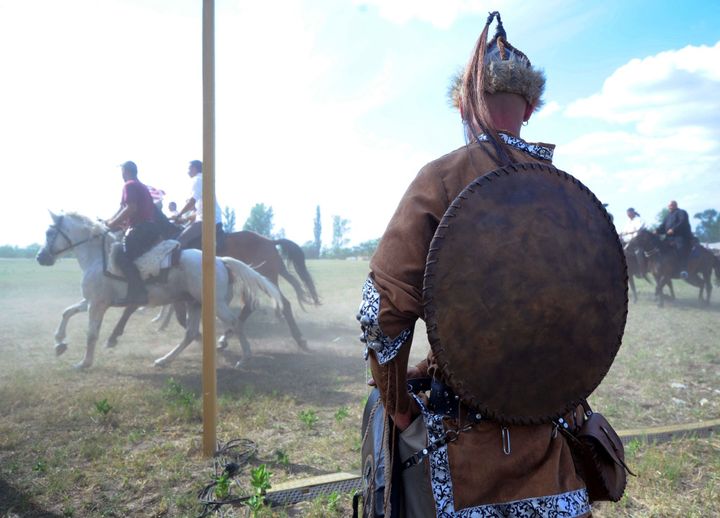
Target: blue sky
{"type": "Point", "coordinates": [339, 103]}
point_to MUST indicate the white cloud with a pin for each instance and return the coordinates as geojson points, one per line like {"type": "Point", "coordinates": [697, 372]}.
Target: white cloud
{"type": "Point", "coordinates": [660, 93]}
{"type": "Point", "coordinates": [548, 109]}
{"type": "Point", "coordinates": [440, 14]}
{"type": "Point", "coordinates": [663, 140]}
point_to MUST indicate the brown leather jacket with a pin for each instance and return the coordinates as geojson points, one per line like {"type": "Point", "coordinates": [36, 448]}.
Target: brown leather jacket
{"type": "Point", "coordinates": [539, 465]}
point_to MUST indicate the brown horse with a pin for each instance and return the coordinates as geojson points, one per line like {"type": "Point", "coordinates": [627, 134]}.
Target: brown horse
{"type": "Point", "coordinates": [663, 263]}
{"type": "Point", "coordinates": [262, 254]}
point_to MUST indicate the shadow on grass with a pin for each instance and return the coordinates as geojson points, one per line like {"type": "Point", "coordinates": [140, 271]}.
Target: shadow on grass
{"type": "Point", "coordinates": [263, 324]}
{"type": "Point", "coordinates": [321, 377]}
{"type": "Point", "coordinates": [15, 503]}
{"type": "Point", "coordinates": [686, 304]}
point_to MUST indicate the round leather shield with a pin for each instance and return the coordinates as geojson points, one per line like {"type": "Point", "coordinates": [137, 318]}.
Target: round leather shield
{"type": "Point", "coordinates": [525, 293]}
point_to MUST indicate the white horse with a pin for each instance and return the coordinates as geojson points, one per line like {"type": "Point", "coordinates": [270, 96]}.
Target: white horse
{"type": "Point", "coordinates": [82, 236]}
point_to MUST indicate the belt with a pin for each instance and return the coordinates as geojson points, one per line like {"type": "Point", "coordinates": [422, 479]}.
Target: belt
{"type": "Point", "coordinates": [442, 400]}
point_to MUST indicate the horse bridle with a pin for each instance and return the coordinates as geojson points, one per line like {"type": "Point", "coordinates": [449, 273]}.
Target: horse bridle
{"type": "Point", "coordinates": [71, 245]}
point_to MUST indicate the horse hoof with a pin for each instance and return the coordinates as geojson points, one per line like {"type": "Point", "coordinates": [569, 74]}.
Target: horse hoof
{"type": "Point", "coordinates": [111, 342]}
{"type": "Point", "coordinates": [60, 348]}
{"type": "Point", "coordinates": [160, 363]}
{"type": "Point", "coordinates": [302, 344]}
{"type": "Point", "coordinates": [241, 363]}
{"type": "Point", "coordinates": [81, 366]}
{"type": "Point", "coordinates": [222, 345]}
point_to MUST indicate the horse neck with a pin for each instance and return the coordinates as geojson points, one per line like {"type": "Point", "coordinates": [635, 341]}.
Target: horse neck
{"type": "Point", "coordinates": [89, 252]}
{"type": "Point", "coordinates": [650, 241]}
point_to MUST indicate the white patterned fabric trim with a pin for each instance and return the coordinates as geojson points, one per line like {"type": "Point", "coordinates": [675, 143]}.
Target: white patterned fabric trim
{"type": "Point", "coordinates": [385, 348]}
{"type": "Point", "coordinates": [565, 505]}
{"type": "Point", "coordinates": [536, 150]}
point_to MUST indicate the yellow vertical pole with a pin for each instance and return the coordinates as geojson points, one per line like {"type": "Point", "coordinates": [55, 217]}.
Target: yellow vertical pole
{"type": "Point", "coordinates": [209, 380]}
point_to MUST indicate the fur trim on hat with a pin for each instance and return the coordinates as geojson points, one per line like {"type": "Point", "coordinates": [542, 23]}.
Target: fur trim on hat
{"type": "Point", "coordinates": [516, 78]}
{"type": "Point", "coordinates": [512, 76]}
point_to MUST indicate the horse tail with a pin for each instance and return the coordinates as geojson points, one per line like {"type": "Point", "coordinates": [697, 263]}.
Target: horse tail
{"type": "Point", "coordinates": [296, 256]}
{"type": "Point", "coordinates": [251, 282]}
{"type": "Point", "coordinates": [716, 266]}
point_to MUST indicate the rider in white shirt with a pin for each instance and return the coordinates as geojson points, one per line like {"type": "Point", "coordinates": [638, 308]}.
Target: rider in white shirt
{"type": "Point", "coordinates": [632, 226]}
{"type": "Point", "coordinates": [191, 236]}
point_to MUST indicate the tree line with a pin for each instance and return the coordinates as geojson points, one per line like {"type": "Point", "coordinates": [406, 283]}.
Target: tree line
{"type": "Point", "coordinates": [261, 216]}
{"type": "Point", "coordinates": [261, 221]}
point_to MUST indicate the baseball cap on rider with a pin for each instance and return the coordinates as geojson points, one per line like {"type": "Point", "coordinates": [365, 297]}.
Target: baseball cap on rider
{"type": "Point", "coordinates": [130, 167]}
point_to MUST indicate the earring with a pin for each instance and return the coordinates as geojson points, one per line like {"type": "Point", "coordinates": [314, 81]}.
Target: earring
{"type": "Point", "coordinates": [525, 123]}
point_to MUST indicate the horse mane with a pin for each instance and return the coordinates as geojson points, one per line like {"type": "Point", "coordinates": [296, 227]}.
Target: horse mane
{"type": "Point", "coordinates": [94, 227]}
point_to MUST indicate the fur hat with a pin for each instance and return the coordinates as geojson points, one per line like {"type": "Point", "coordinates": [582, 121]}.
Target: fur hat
{"type": "Point", "coordinates": [507, 69]}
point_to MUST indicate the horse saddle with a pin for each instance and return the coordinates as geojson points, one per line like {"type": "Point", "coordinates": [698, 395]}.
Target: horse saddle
{"type": "Point", "coordinates": [525, 294]}
{"type": "Point", "coordinates": [160, 257]}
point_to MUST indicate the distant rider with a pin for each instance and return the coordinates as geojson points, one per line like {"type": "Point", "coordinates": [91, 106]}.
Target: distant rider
{"type": "Point", "coordinates": [634, 225]}
{"type": "Point", "coordinates": [137, 216]}
{"type": "Point", "coordinates": [676, 226]}
{"type": "Point", "coordinates": [191, 236]}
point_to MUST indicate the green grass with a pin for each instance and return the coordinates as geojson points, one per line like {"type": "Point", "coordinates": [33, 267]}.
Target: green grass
{"type": "Point", "coordinates": [64, 451]}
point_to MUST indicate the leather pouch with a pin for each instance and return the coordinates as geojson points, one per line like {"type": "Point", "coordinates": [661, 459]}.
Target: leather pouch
{"type": "Point", "coordinates": [599, 457]}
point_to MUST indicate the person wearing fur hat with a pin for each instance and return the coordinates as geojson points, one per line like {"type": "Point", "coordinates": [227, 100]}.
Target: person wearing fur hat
{"type": "Point", "coordinates": [479, 472]}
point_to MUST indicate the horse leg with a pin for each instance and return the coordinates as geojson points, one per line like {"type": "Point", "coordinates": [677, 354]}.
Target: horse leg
{"type": "Point", "coordinates": [95, 316]}
{"type": "Point", "coordinates": [290, 319]}
{"type": "Point", "coordinates": [161, 314]}
{"type": "Point", "coordinates": [670, 286]}
{"type": "Point", "coordinates": [659, 291]}
{"type": "Point", "coordinates": [235, 325]}
{"type": "Point", "coordinates": [169, 312]}
{"type": "Point", "coordinates": [631, 283]}
{"type": "Point", "coordinates": [120, 326]}
{"type": "Point", "coordinates": [708, 288]}
{"type": "Point", "coordinates": [60, 333]}
{"type": "Point", "coordinates": [181, 313]}
{"type": "Point", "coordinates": [244, 314]}
{"type": "Point", "coordinates": [192, 331]}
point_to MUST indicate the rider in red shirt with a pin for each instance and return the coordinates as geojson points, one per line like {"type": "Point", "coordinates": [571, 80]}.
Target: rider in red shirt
{"type": "Point", "coordinates": [137, 216]}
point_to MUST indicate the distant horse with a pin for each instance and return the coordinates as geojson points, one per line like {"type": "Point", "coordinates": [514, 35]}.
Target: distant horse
{"type": "Point", "coordinates": [636, 268]}
{"type": "Point", "coordinates": [664, 264]}
{"type": "Point", "coordinates": [261, 253]}
{"type": "Point", "coordinates": [91, 245]}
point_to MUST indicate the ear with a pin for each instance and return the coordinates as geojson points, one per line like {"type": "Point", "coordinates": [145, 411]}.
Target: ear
{"type": "Point", "coordinates": [53, 215]}
{"type": "Point", "coordinates": [529, 109]}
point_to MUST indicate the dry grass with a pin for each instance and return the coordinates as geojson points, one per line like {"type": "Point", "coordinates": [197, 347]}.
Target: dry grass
{"type": "Point", "coordinates": [63, 452]}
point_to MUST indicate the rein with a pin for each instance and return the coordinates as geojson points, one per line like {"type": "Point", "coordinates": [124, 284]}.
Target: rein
{"type": "Point", "coordinates": [71, 245]}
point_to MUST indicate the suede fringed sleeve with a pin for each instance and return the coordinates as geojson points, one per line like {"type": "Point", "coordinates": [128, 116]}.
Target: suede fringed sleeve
{"type": "Point", "coordinates": [392, 294]}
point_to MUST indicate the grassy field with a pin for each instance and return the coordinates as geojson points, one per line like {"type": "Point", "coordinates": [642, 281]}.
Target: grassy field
{"type": "Point", "coordinates": [124, 438]}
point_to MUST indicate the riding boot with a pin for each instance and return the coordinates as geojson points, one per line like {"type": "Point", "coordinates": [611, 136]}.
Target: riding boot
{"type": "Point", "coordinates": [136, 293]}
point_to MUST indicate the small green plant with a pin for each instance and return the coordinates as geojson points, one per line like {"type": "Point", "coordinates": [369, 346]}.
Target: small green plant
{"type": "Point", "coordinates": [181, 398]}
{"type": "Point", "coordinates": [632, 448]}
{"type": "Point", "coordinates": [103, 407]}
{"type": "Point", "coordinates": [309, 417]}
{"type": "Point", "coordinates": [282, 458]}
{"type": "Point", "coordinates": [341, 414]}
{"type": "Point", "coordinates": [40, 466]}
{"type": "Point", "coordinates": [332, 502]}
{"type": "Point", "coordinates": [222, 485]}
{"type": "Point", "coordinates": [260, 481]}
